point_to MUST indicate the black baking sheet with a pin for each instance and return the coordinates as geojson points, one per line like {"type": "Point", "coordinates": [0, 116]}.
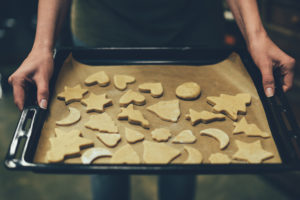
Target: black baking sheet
{"type": "Point", "coordinates": [285, 131]}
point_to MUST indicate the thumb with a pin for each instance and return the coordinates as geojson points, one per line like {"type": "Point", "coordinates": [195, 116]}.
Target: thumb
{"type": "Point", "coordinates": [268, 80]}
{"type": "Point", "coordinates": [42, 92]}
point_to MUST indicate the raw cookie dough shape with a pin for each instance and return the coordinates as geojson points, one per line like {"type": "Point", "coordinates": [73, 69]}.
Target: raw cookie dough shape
{"type": "Point", "coordinates": [96, 103]}
{"type": "Point", "coordinates": [91, 154]}
{"type": "Point", "coordinates": [185, 137]}
{"type": "Point", "coordinates": [102, 122]}
{"type": "Point", "coordinates": [203, 116]}
{"type": "Point", "coordinates": [188, 91]}
{"type": "Point", "coordinates": [155, 89]}
{"type": "Point", "coordinates": [133, 116]}
{"type": "Point", "coordinates": [110, 140]}
{"type": "Point", "coordinates": [249, 129]}
{"type": "Point", "coordinates": [251, 152]}
{"type": "Point", "coordinates": [133, 136]}
{"type": "Point", "coordinates": [125, 155]}
{"type": "Point", "coordinates": [99, 78]}
{"type": "Point", "coordinates": [219, 158]}
{"type": "Point", "coordinates": [218, 134]}
{"type": "Point", "coordinates": [66, 144]}
{"type": "Point", "coordinates": [230, 105]}
{"type": "Point", "coordinates": [121, 81]}
{"type": "Point", "coordinates": [72, 118]}
{"type": "Point", "coordinates": [132, 97]}
{"type": "Point", "coordinates": [72, 94]}
{"type": "Point", "coordinates": [161, 134]}
{"type": "Point", "coordinates": [166, 110]}
{"type": "Point", "coordinates": [194, 156]}
{"type": "Point", "coordinates": [159, 153]}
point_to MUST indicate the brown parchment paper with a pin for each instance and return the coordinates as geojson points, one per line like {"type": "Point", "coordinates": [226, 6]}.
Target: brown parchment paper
{"type": "Point", "coordinates": [228, 77]}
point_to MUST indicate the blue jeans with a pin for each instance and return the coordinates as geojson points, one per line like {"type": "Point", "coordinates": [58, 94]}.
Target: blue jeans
{"type": "Point", "coordinates": [116, 187]}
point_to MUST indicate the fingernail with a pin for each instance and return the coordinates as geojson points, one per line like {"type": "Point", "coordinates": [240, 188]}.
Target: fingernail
{"type": "Point", "coordinates": [269, 92]}
{"type": "Point", "coordinates": [43, 104]}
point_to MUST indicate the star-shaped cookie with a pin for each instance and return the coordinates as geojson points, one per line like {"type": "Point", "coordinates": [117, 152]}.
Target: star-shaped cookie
{"type": "Point", "coordinates": [102, 122]}
{"type": "Point", "coordinates": [133, 116]}
{"type": "Point", "coordinates": [230, 105]}
{"type": "Point", "coordinates": [66, 144]}
{"type": "Point", "coordinates": [203, 116]}
{"type": "Point", "coordinates": [72, 94]}
{"type": "Point", "coordinates": [249, 129]}
{"type": "Point", "coordinates": [251, 152]}
{"type": "Point", "coordinates": [96, 103]}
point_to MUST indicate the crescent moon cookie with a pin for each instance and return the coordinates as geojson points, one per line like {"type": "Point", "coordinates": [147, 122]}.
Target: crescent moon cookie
{"type": "Point", "coordinates": [251, 152]}
{"type": "Point", "coordinates": [161, 134]}
{"type": "Point", "coordinates": [96, 103]}
{"type": "Point", "coordinates": [218, 134]}
{"type": "Point", "coordinates": [219, 158]}
{"type": "Point", "coordinates": [203, 116]}
{"type": "Point", "coordinates": [66, 144]}
{"type": "Point", "coordinates": [121, 81]}
{"type": "Point", "coordinates": [72, 94]}
{"type": "Point", "coordinates": [159, 153]}
{"type": "Point", "coordinates": [166, 110]}
{"type": "Point", "coordinates": [188, 91]}
{"type": "Point", "coordinates": [72, 118]}
{"type": "Point", "coordinates": [155, 89]}
{"type": "Point", "coordinates": [249, 129]}
{"type": "Point", "coordinates": [230, 105]}
{"type": "Point", "coordinates": [125, 155]}
{"type": "Point", "coordinates": [92, 154]}
{"type": "Point", "coordinates": [132, 97]}
{"type": "Point", "coordinates": [102, 122]}
{"type": "Point", "coordinates": [133, 136]}
{"type": "Point", "coordinates": [110, 140]}
{"type": "Point", "coordinates": [99, 78]}
{"type": "Point", "coordinates": [194, 156]}
{"type": "Point", "coordinates": [133, 116]}
{"type": "Point", "coordinates": [185, 137]}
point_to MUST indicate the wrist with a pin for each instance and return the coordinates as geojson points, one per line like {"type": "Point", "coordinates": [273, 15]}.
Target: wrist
{"type": "Point", "coordinates": [256, 36]}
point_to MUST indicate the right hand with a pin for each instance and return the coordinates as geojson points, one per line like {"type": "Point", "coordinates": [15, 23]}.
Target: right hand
{"type": "Point", "coordinates": [37, 68]}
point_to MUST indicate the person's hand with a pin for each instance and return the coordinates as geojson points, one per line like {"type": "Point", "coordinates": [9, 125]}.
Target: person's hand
{"type": "Point", "coordinates": [37, 68]}
{"type": "Point", "coordinates": [268, 56]}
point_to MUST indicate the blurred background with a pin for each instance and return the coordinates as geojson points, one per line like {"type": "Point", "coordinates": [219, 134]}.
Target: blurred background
{"type": "Point", "coordinates": [17, 29]}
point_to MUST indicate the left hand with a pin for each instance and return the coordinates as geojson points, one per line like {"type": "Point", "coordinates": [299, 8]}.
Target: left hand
{"type": "Point", "coordinates": [267, 56]}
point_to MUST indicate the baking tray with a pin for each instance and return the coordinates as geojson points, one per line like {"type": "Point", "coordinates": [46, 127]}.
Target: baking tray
{"type": "Point", "coordinates": [281, 120]}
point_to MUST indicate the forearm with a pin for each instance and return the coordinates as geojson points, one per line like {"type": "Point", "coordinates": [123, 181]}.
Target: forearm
{"type": "Point", "coordinates": [247, 18]}
{"type": "Point", "coordinates": [51, 15]}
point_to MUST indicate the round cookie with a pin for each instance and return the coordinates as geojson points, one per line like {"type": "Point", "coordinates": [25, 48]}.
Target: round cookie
{"type": "Point", "coordinates": [188, 91]}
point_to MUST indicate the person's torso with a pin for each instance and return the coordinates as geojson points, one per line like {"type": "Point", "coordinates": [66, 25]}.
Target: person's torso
{"type": "Point", "coordinates": [147, 22]}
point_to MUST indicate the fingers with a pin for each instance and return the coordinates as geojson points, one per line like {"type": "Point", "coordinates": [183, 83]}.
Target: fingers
{"type": "Point", "coordinates": [18, 91]}
{"type": "Point", "coordinates": [42, 92]}
{"type": "Point", "coordinates": [268, 80]}
{"type": "Point", "coordinates": [288, 74]}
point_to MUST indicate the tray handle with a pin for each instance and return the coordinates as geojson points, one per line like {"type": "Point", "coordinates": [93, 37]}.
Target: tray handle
{"type": "Point", "coordinates": [286, 116]}
{"type": "Point", "coordinates": [21, 137]}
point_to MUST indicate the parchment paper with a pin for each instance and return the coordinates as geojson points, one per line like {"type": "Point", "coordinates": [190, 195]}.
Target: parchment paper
{"type": "Point", "coordinates": [228, 77]}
